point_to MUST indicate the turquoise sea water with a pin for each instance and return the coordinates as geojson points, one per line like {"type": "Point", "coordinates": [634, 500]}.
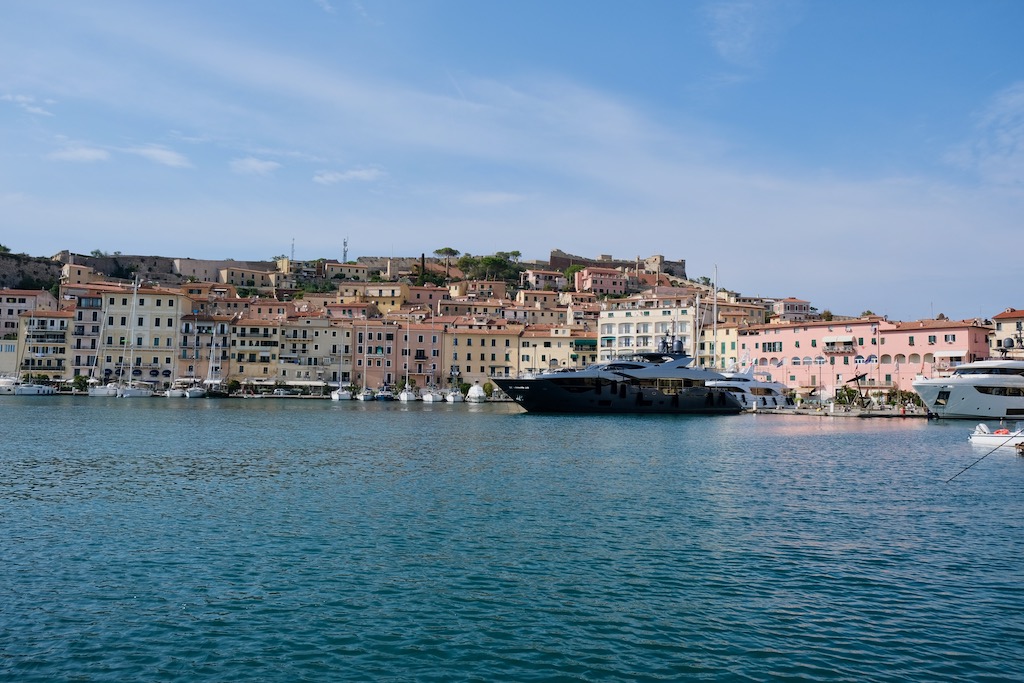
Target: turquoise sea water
{"type": "Point", "coordinates": [300, 540]}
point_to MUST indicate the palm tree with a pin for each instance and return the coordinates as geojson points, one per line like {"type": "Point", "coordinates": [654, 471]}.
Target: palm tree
{"type": "Point", "coordinates": [448, 254]}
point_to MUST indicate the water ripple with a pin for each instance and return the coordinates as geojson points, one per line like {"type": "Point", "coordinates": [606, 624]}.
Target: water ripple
{"type": "Point", "coordinates": [310, 541]}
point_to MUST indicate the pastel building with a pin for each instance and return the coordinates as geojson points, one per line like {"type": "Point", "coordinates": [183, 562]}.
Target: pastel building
{"type": "Point", "coordinates": [14, 302]}
{"type": "Point", "coordinates": [601, 281]}
{"type": "Point", "coordinates": [43, 344]}
{"type": "Point", "coordinates": [544, 279]}
{"type": "Point", "coordinates": [821, 357]}
{"type": "Point", "coordinates": [644, 322]}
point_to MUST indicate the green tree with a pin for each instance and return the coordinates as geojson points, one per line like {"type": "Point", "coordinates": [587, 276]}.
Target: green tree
{"type": "Point", "coordinates": [4, 249]}
{"type": "Point", "coordinates": [448, 253]}
{"type": "Point", "coordinates": [570, 272]}
{"type": "Point", "coordinates": [826, 315]}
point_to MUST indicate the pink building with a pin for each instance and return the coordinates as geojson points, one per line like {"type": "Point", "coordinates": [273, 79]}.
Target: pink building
{"type": "Point", "coordinates": [601, 281]}
{"type": "Point", "coordinates": [820, 357]}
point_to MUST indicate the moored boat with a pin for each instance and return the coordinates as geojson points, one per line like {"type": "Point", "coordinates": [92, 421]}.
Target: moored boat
{"type": "Point", "coordinates": [476, 394]}
{"type": "Point", "coordinates": [31, 389]}
{"type": "Point", "coordinates": [755, 393]}
{"type": "Point", "coordinates": [642, 383]}
{"type": "Point", "coordinates": [1001, 437]}
{"type": "Point", "coordinates": [103, 390]}
{"type": "Point", "coordinates": [986, 389]}
{"type": "Point", "coordinates": [432, 395]}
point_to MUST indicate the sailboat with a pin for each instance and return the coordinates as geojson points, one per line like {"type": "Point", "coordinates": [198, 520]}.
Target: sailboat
{"type": "Point", "coordinates": [132, 388]}
{"type": "Point", "coordinates": [342, 393]}
{"type": "Point", "coordinates": [431, 394]}
{"type": "Point", "coordinates": [407, 393]}
{"type": "Point", "coordinates": [366, 394]}
{"type": "Point", "coordinates": [96, 385]}
{"type": "Point", "coordinates": [213, 383]}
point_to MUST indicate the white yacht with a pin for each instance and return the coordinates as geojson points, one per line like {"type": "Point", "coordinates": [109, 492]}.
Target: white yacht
{"type": "Point", "coordinates": [476, 394]}
{"type": "Point", "coordinates": [408, 394]}
{"type": "Point", "coordinates": [755, 393]}
{"type": "Point", "coordinates": [341, 394]}
{"type": "Point", "coordinates": [984, 389]}
{"type": "Point", "coordinates": [454, 395]}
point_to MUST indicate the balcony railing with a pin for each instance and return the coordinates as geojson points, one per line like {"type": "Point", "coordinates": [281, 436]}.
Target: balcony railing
{"type": "Point", "coordinates": [845, 348]}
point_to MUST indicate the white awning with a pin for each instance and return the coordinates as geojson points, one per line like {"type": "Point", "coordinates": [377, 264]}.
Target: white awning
{"type": "Point", "coordinates": [841, 339]}
{"type": "Point", "coordinates": [955, 353]}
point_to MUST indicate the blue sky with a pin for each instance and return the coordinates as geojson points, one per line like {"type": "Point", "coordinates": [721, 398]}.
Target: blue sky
{"type": "Point", "coordinates": [861, 155]}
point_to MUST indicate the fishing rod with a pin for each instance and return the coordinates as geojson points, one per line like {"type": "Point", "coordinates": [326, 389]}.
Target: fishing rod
{"type": "Point", "coordinates": [996, 448]}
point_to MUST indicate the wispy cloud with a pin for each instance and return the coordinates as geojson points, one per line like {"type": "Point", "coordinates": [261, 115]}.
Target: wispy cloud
{"type": "Point", "coordinates": [744, 32]}
{"type": "Point", "coordinates": [79, 153]}
{"type": "Point", "coordinates": [254, 166]}
{"type": "Point", "coordinates": [493, 198]}
{"type": "Point", "coordinates": [161, 155]}
{"type": "Point", "coordinates": [354, 175]}
{"type": "Point", "coordinates": [28, 104]}
{"type": "Point", "coordinates": [996, 150]}
{"type": "Point", "coordinates": [325, 6]}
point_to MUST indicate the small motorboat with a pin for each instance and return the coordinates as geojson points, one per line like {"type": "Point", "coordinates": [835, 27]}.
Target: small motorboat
{"type": "Point", "coordinates": [983, 435]}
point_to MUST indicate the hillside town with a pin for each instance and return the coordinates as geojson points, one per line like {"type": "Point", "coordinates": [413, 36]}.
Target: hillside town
{"type": "Point", "coordinates": [442, 321]}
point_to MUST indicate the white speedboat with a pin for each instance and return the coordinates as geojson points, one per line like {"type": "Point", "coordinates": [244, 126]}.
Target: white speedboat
{"type": "Point", "coordinates": [983, 435]}
{"type": "Point", "coordinates": [7, 385]}
{"type": "Point", "coordinates": [476, 394]}
{"type": "Point", "coordinates": [755, 393]}
{"type": "Point", "coordinates": [985, 389]}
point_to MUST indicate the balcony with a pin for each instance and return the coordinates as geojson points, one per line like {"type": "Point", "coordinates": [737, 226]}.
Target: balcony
{"type": "Point", "coordinates": [835, 349]}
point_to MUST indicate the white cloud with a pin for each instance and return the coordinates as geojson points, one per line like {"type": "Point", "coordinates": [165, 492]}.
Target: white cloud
{"type": "Point", "coordinates": [996, 150]}
{"type": "Point", "coordinates": [254, 166]}
{"type": "Point", "coordinates": [27, 103]}
{"type": "Point", "coordinates": [325, 6]}
{"type": "Point", "coordinates": [360, 175]}
{"type": "Point", "coordinates": [79, 153]}
{"type": "Point", "coordinates": [161, 155]}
